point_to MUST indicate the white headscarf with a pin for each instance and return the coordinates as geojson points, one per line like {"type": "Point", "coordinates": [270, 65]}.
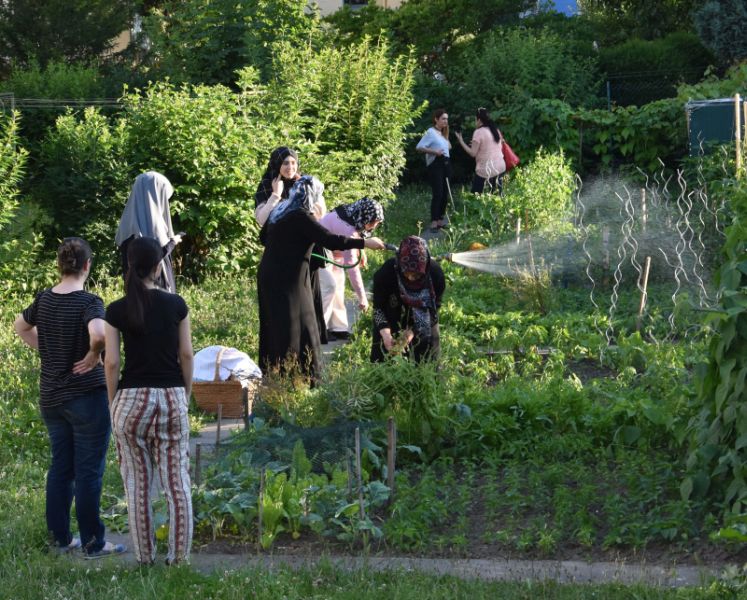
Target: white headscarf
{"type": "Point", "coordinates": [146, 213]}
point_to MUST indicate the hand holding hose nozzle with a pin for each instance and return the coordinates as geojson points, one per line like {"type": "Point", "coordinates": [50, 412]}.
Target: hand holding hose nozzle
{"type": "Point", "coordinates": [391, 247]}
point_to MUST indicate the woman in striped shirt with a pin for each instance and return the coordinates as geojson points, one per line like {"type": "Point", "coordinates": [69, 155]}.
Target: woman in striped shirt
{"type": "Point", "coordinates": [66, 325]}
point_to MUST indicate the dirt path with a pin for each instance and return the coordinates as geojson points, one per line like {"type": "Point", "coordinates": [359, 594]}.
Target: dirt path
{"type": "Point", "coordinates": [561, 571]}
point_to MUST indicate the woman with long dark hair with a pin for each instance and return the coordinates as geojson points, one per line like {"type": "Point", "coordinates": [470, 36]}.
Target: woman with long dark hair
{"type": "Point", "coordinates": [436, 147]}
{"type": "Point", "coordinates": [149, 402]}
{"type": "Point", "coordinates": [486, 148]}
{"type": "Point", "coordinates": [66, 325]}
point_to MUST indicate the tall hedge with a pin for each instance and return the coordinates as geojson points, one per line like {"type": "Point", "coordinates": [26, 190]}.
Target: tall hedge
{"type": "Point", "coordinates": [346, 112]}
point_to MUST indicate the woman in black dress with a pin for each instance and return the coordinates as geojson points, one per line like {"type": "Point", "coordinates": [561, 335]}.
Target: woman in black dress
{"type": "Point", "coordinates": [281, 173]}
{"type": "Point", "coordinates": [407, 293]}
{"type": "Point", "coordinates": [288, 329]}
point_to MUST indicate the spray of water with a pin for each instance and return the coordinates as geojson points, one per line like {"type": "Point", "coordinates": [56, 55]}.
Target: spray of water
{"type": "Point", "coordinates": [616, 226]}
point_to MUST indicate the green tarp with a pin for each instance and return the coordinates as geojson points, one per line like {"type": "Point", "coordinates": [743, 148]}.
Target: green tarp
{"type": "Point", "coordinates": [710, 123]}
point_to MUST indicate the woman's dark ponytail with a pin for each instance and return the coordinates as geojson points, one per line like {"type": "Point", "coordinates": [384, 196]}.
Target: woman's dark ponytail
{"type": "Point", "coordinates": [484, 116]}
{"type": "Point", "coordinates": [143, 255]}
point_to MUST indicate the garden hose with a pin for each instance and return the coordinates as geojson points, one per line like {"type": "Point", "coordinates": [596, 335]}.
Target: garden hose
{"type": "Point", "coordinates": [391, 247]}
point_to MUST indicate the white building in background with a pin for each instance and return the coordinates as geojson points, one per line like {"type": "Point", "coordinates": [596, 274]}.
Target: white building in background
{"type": "Point", "coordinates": [327, 7]}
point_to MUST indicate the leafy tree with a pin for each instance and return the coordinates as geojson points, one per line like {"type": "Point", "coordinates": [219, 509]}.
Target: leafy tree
{"type": "Point", "coordinates": [432, 27]}
{"type": "Point", "coordinates": [75, 30]}
{"type": "Point", "coordinates": [208, 41]}
{"type": "Point", "coordinates": [720, 25]}
{"type": "Point", "coordinates": [648, 19]}
{"type": "Point", "coordinates": [12, 160]}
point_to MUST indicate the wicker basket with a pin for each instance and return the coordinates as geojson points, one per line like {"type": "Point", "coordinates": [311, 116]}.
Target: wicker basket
{"type": "Point", "coordinates": [236, 400]}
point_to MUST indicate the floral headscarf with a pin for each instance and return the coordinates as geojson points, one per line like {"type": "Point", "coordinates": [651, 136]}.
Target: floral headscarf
{"type": "Point", "coordinates": [419, 295]}
{"type": "Point", "coordinates": [360, 213]}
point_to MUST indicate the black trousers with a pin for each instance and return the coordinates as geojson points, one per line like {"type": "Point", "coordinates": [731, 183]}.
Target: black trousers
{"type": "Point", "coordinates": [438, 171]}
{"type": "Point", "coordinates": [478, 184]}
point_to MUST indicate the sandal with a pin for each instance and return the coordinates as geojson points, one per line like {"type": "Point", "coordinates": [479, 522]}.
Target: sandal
{"type": "Point", "coordinates": [71, 547]}
{"type": "Point", "coordinates": [108, 549]}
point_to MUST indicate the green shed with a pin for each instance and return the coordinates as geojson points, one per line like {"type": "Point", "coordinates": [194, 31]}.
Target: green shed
{"type": "Point", "coordinates": [711, 122]}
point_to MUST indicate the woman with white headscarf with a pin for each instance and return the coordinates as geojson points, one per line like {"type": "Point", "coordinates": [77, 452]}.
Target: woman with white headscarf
{"type": "Point", "coordinates": [288, 330]}
{"type": "Point", "coordinates": [147, 214]}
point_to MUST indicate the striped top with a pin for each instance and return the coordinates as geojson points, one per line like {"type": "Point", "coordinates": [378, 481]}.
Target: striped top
{"type": "Point", "coordinates": [61, 321]}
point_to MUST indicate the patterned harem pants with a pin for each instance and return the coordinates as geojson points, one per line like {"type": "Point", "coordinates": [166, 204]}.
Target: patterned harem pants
{"type": "Point", "coordinates": [151, 428]}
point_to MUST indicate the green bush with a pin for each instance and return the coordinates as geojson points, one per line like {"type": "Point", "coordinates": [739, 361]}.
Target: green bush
{"type": "Point", "coordinates": [351, 108]}
{"type": "Point", "coordinates": [82, 182]}
{"type": "Point", "coordinates": [207, 143]}
{"type": "Point", "coordinates": [56, 81]}
{"type": "Point", "coordinates": [509, 66]}
{"type": "Point", "coordinates": [655, 67]}
{"type": "Point", "coordinates": [19, 247]}
{"type": "Point", "coordinates": [680, 55]}
{"type": "Point", "coordinates": [541, 192]}
{"type": "Point", "coordinates": [208, 41]}
{"type": "Point", "coordinates": [719, 432]}
{"type": "Point", "coordinates": [345, 111]}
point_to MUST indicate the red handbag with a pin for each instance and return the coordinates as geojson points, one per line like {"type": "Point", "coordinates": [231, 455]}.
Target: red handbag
{"type": "Point", "coordinates": [509, 156]}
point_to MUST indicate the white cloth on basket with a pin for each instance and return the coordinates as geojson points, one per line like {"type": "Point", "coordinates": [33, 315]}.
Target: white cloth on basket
{"type": "Point", "coordinates": [234, 362]}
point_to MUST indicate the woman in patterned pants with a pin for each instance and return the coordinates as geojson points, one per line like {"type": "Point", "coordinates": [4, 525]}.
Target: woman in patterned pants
{"type": "Point", "coordinates": [149, 402]}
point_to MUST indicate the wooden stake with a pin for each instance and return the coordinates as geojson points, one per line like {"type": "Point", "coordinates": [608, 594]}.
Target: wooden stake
{"type": "Point", "coordinates": [198, 463]}
{"type": "Point", "coordinates": [518, 230]}
{"type": "Point", "coordinates": [245, 406]}
{"type": "Point", "coordinates": [260, 508]}
{"type": "Point", "coordinates": [217, 429]}
{"type": "Point", "coordinates": [738, 133]}
{"type": "Point", "coordinates": [744, 123]}
{"type": "Point", "coordinates": [644, 293]}
{"type": "Point", "coordinates": [359, 470]}
{"type": "Point", "coordinates": [391, 454]}
{"type": "Point", "coordinates": [349, 467]}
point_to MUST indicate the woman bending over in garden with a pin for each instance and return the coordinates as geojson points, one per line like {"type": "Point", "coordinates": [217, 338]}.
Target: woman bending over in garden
{"type": "Point", "coordinates": [66, 325]}
{"type": "Point", "coordinates": [147, 214]}
{"type": "Point", "coordinates": [288, 329]}
{"type": "Point", "coordinates": [358, 219]}
{"type": "Point", "coordinates": [436, 147]}
{"type": "Point", "coordinates": [149, 401]}
{"type": "Point", "coordinates": [407, 293]}
{"type": "Point", "coordinates": [487, 150]}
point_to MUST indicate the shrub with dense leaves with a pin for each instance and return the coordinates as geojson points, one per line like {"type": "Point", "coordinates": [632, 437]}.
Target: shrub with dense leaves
{"type": "Point", "coordinates": [345, 112]}
{"type": "Point", "coordinates": [719, 432]}
{"type": "Point", "coordinates": [208, 41]}
{"type": "Point", "coordinates": [350, 108]}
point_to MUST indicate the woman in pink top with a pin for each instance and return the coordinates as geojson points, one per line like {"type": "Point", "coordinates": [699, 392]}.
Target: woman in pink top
{"type": "Point", "coordinates": [487, 150]}
{"type": "Point", "coordinates": [358, 219]}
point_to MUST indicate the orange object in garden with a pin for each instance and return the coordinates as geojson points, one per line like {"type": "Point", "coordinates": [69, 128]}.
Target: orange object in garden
{"type": "Point", "coordinates": [476, 246]}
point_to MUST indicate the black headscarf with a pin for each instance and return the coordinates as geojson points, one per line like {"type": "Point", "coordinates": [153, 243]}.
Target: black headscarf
{"type": "Point", "coordinates": [264, 189]}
